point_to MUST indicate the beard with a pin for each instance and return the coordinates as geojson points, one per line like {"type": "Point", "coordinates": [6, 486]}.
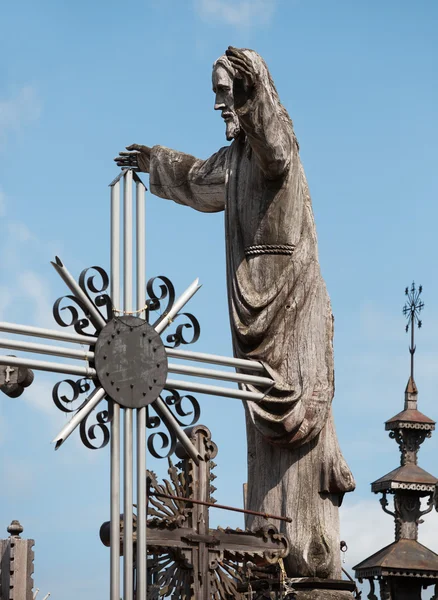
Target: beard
{"type": "Point", "coordinates": [232, 128]}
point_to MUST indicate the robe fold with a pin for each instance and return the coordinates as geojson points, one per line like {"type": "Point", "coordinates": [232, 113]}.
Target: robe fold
{"type": "Point", "coordinates": [280, 314]}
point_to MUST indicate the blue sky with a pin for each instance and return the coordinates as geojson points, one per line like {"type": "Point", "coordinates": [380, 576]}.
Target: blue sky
{"type": "Point", "coordinates": [78, 82]}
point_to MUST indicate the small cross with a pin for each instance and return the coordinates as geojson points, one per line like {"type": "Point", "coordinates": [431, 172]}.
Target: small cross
{"type": "Point", "coordinates": [8, 370]}
{"type": "Point", "coordinates": [411, 310]}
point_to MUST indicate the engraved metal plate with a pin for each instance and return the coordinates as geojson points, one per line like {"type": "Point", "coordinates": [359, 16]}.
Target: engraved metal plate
{"type": "Point", "coordinates": [131, 361]}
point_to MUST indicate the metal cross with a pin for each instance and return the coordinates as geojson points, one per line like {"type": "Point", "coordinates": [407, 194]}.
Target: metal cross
{"type": "Point", "coordinates": [411, 310]}
{"type": "Point", "coordinates": [127, 362]}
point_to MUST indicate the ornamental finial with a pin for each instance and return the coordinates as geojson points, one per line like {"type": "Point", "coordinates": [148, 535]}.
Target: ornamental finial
{"type": "Point", "coordinates": [411, 310]}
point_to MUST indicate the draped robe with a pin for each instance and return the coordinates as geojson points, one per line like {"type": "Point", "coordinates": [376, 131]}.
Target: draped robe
{"type": "Point", "coordinates": [280, 314]}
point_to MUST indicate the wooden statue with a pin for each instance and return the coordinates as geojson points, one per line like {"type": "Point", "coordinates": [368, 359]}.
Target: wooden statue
{"type": "Point", "coordinates": [279, 308]}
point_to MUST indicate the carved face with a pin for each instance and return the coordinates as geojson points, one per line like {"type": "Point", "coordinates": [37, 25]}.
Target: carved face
{"type": "Point", "coordinates": [224, 101]}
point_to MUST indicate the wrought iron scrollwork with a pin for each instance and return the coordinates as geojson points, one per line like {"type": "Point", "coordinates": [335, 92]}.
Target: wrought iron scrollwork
{"type": "Point", "coordinates": [88, 285]}
{"type": "Point", "coordinates": [65, 402]}
{"type": "Point", "coordinates": [177, 338]}
{"type": "Point", "coordinates": [80, 324]}
{"type": "Point", "coordinates": [162, 300]}
{"type": "Point", "coordinates": [75, 306]}
{"type": "Point", "coordinates": [67, 394]}
{"type": "Point", "coordinates": [155, 299]}
{"type": "Point", "coordinates": [88, 432]}
{"type": "Point", "coordinates": [70, 311]}
{"type": "Point", "coordinates": [163, 443]}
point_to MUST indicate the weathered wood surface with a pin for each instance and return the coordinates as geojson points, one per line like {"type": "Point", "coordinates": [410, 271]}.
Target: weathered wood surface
{"type": "Point", "coordinates": [279, 308]}
{"type": "Point", "coordinates": [16, 565]}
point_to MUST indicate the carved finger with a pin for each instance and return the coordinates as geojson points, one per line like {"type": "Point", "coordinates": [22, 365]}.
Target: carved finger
{"type": "Point", "coordinates": [138, 147]}
{"type": "Point", "coordinates": [128, 153]}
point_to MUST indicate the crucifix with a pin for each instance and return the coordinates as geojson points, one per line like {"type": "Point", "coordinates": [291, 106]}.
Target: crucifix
{"type": "Point", "coordinates": [187, 559]}
{"type": "Point", "coordinates": [127, 364]}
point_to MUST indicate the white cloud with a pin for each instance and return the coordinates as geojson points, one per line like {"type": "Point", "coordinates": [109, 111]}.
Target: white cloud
{"type": "Point", "coordinates": [22, 108]}
{"type": "Point", "coordinates": [37, 291]}
{"type": "Point", "coordinates": [239, 13]}
{"type": "Point", "coordinates": [20, 231]}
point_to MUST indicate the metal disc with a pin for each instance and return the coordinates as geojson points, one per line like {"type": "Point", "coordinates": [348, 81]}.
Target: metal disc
{"type": "Point", "coordinates": [130, 361]}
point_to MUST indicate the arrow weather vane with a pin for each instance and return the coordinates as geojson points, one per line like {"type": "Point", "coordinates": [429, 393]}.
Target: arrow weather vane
{"type": "Point", "coordinates": [411, 310]}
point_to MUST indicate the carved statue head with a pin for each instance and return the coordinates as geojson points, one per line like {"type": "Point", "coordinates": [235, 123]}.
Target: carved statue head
{"type": "Point", "coordinates": [223, 76]}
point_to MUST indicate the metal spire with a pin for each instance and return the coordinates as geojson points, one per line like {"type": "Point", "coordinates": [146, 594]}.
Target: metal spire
{"type": "Point", "coordinates": [411, 310]}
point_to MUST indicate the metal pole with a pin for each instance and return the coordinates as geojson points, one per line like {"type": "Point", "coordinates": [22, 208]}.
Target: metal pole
{"type": "Point", "coordinates": [167, 417]}
{"type": "Point", "coordinates": [214, 390]}
{"type": "Point", "coordinates": [45, 365]}
{"type": "Point", "coordinates": [50, 334]}
{"type": "Point", "coordinates": [46, 349]}
{"type": "Point", "coordinates": [141, 412]}
{"type": "Point", "coordinates": [224, 375]}
{"type": "Point", "coordinates": [128, 582]}
{"type": "Point", "coordinates": [238, 363]}
{"type": "Point", "coordinates": [93, 400]}
{"type": "Point", "coordinates": [115, 423]}
{"type": "Point", "coordinates": [177, 306]}
{"type": "Point", "coordinates": [95, 316]}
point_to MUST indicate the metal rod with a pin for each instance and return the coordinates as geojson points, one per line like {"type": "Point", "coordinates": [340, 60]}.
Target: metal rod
{"type": "Point", "coordinates": [167, 417]}
{"type": "Point", "coordinates": [43, 365]}
{"type": "Point", "coordinates": [46, 349]}
{"type": "Point", "coordinates": [177, 306]}
{"type": "Point", "coordinates": [95, 316]}
{"type": "Point", "coordinates": [141, 247]}
{"type": "Point", "coordinates": [50, 334]}
{"type": "Point", "coordinates": [128, 553]}
{"type": "Point", "coordinates": [238, 363]}
{"type": "Point", "coordinates": [128, 561]}
{"type": "Point", "coordinates": [141, 502]}
{"type": "Point", "coordinates": [93, 400]}
{"type": "Point", "coordinates": [141, 587]}
{"type": "Point", "coordinates": [127, 243]}
{"type": "Point", "coordinates": [213, 390]}
{"type": "Point", "coordinates": [115, 423]}
{"type": "Point", "coordinates": [222, 506]}
{"type": "Point", "coordinates": [224, 375]}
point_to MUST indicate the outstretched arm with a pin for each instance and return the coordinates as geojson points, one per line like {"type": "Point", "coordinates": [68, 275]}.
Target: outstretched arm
{"type": "Point", "coordinates": [180, 177]}
{"type": "Point", "coordinates": [269, 132]}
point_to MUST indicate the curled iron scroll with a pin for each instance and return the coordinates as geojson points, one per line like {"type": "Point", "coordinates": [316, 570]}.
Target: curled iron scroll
{"type": "Point", "coordinates": [89, 286]}
{"type": "Point", "coordinates": [65, 402]}
{"type": "Point", "coordinates": [88, 432]}
{"type": "Point", "coordinates": [177, 338]}
{"type": "Point", "coordinates": [155, 299]}
{"type": "Point", "coordinates": [80, 324]}
{"type": "Point", "coordinates": [163, 443]}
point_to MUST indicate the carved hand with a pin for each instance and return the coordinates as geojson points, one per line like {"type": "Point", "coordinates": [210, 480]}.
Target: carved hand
{"type": "Point", "coordinates": [245, 78]}
{"type": "Point", "coordinates": [138, 158]}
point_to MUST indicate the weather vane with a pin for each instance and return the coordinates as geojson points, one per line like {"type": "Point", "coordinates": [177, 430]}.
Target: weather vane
{"type": "Point", "coordinates": [411, 310]}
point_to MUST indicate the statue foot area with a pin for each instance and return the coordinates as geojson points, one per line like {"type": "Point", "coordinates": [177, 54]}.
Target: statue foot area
{"type": "Point", "coordinates": [321, 589]}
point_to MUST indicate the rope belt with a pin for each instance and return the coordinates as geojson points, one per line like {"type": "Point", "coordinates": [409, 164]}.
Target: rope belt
{"type": "Point", "coordinates": [269, 249]}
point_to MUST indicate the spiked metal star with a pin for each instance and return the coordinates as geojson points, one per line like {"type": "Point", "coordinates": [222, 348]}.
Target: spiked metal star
{"type": "Point", "coordinates": [411, 310]}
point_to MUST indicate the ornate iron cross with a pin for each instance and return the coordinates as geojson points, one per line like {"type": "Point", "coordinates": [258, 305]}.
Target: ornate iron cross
{"type": "Point", "coordinates": [126, 363]}
{"type": "Point", "coordinates": [187, 559]}
{"type": "Point", "coordinates": [411, 310]}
